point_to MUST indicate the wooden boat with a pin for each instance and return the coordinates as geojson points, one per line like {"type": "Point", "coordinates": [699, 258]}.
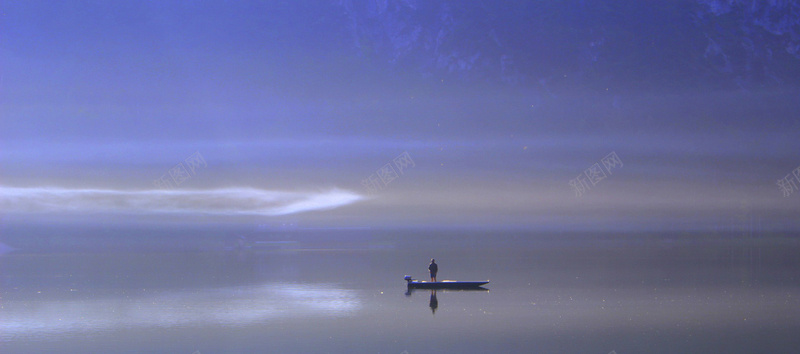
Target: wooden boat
{"type": "Point", "coordinates": [444, 284]}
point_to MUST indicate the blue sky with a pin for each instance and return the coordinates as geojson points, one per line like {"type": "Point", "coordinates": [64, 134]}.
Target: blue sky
{"type": "Point", "coordinates": [293, 105]}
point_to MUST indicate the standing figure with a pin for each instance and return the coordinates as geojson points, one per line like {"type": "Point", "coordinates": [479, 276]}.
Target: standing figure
{"type": "Point", "coordinates": [434, 268]}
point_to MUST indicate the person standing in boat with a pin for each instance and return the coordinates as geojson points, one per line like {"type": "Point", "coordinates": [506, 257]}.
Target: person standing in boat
{"type": "Point", "coordinates": [434, 268]}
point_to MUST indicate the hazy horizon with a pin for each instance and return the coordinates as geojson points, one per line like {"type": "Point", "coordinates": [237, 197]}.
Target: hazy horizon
{"type": "Point", "coordinates": [308, 102]}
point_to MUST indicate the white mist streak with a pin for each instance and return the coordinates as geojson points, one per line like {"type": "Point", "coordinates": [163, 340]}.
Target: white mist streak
{"type": "Point", "coordinates": [226, 201]}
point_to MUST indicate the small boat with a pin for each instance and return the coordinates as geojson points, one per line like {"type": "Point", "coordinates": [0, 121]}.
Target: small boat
{"type": "Point", "coordinates": [444, 284]}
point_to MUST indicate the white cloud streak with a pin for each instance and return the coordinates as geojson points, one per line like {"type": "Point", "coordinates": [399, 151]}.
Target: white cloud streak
{"type": "Point", "coordinates": [225, 201]}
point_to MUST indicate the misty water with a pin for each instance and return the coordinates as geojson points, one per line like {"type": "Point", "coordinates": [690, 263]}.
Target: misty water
{"type": "Point", "coordinates": [343, 291]}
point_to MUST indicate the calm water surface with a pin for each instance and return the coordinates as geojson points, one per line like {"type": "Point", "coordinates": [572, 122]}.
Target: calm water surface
{"type": "Point", "coordinates": [548, 294]}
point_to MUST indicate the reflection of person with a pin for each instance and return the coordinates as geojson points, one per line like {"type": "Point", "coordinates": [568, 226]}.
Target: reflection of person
{"type": "Point", "coordinates": [434, 304]}
{"type": "Point", "coordinates": [434, 268]}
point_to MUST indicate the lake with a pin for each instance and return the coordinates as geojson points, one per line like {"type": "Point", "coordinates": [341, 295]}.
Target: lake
{"type": "Point", "coordinates": [343, 291]}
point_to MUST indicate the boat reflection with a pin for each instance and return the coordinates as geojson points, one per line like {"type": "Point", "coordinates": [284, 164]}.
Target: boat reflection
{"type": "Point", "coordinates": [434, 300]}
{"type": "Point", "coordinates": [410, 291]}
